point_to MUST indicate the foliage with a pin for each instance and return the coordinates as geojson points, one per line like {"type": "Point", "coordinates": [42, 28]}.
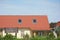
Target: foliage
{"type": "Point", "coordinates": [1, 38]}
{"type": "Point", "coordinates": [26, 37]}
{"type": "Point", "coordinates": [52, 25]}
{"type": "Point", "coordinates": [38, 38]}
{"type": "Point", "coordinates": [58, 38]}
{"type": "Point", "coordinates": [8, 37]}
{"type": "Point", "coordinates": [50, 36]}
{"type": "Point", "coordinates": [57, 29]}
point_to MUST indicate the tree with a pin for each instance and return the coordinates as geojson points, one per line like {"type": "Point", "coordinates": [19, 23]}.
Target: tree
{"type": "Point", "coordinates": [52, 25]}
{"type": "Point", "coordinates": [57, 29]}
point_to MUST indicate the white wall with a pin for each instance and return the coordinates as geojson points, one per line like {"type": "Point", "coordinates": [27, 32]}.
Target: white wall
{"type": "Point", "coordinates": [8, 33]}
{"type": "Point", "coordinates": [12, 34]}
{"type": "Point", "coordinates": [19, 34]}
{"type": "Point", "coordinates": [25, 32]}
{"type": "Point", "coordinates": [4, 32]}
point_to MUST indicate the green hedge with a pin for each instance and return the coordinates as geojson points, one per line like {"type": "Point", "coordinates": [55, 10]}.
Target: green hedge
{"type": "Point", "coordinates": [10, 37]}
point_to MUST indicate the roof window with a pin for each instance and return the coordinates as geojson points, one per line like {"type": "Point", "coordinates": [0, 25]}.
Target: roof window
{"type": "Point", "coordinates": [34, 21]}
{"type": "Point", "coordinates": [19, 21]}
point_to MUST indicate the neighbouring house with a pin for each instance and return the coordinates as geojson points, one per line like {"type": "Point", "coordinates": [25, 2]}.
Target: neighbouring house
{"type": "Point", "coordinates": [55, 24]}
{"type": "Point", "coordinates": [20, 25]}
{"type": "Point", "coordinates": [58, 23]}
{"type": "Point", "coordinates": [58, 28]}
{"type": "Point", "coordinates": [55, 27]}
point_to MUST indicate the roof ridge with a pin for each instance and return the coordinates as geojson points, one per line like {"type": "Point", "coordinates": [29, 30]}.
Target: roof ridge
{"type": "Point", "coordinates": [23, 15]}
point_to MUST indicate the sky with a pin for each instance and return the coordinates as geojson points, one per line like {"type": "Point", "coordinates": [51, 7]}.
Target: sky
{"type": "Point", "coordinates": [51, 8]}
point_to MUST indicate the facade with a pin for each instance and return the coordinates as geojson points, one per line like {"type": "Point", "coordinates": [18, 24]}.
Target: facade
{"type": "Point", "coordinates": [20, 25]}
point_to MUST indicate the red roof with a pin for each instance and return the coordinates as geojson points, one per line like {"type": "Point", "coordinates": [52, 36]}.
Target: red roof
{"type": "Point", "coordinates": [58, 23]}
{"type": "Point", "coordinates": [11, 21]}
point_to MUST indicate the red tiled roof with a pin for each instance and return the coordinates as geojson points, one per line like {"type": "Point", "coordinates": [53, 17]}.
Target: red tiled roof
{"type": "Point", "coordinates": [58, 23]}
{"type": "Point", "coordinates": [11, 21]}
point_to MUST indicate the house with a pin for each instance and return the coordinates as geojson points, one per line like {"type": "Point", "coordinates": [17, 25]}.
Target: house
{"type": "Point", "coordinates": [55, 27]}
{"type": "Point", "coordinates": [58, 23]}
{"type": "Point", "coordinates": [58, 28]}
{"type": "Point", "coordinates": [20, 25]}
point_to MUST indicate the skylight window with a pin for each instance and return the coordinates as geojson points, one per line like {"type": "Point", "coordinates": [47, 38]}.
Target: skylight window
{"type": "Point", "coordinates": [19, 21]}
{"type": "Point", "coordinates": [34, 21]}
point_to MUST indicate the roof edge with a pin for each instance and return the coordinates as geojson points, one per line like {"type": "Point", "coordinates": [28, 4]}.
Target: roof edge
{"type": "Point", "coordinates": [23, 15]}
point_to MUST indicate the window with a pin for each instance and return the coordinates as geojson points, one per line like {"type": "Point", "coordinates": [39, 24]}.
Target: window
{"type": "Point", "coordinates": [19, 21]}
{"type": "Point", "coordinates": [34, 20]}
{"type": "Point", "coordinates": [40, 33]}
{"type": "Point", "coordinates": [22, 32]}
{"type": "Point", "coordinates": [11, 30]}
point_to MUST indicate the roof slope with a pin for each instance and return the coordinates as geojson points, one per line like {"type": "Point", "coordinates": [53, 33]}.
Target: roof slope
{"type": "Point", "coordinates": [11, 21]}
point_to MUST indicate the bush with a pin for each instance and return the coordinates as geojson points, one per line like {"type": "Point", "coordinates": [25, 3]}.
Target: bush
{"type": "Point", "coordinates": [26, 37]}
{"type": "Point", "coordinates": [58, 38]}
{"type": "Point", "coordinates": [50, 36]}
{"type": "Point", "coordinates": [1, 38]}
{"type": "Point", "coordinates": [8, 37]}
{"type": "Point", "coordinates": [38, 38]}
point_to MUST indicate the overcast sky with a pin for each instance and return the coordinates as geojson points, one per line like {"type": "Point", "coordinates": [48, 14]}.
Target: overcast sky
{"type": "Point", "coordinates": [51, 8]}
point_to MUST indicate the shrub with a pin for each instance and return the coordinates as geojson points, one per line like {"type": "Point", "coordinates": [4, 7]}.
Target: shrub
{"type": "Point", "coordinates": [50, 36]}
{"type": "Point", "coordinates": [58, 38]}
{"type": "Point", "coordinates": [38, 38]}
{"type": "Point", "coordinates": [8, 37]}
{"type": "Point", "coordinates": [26, 37]}
{"type": "Point", "coordinates": [1, 38]}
